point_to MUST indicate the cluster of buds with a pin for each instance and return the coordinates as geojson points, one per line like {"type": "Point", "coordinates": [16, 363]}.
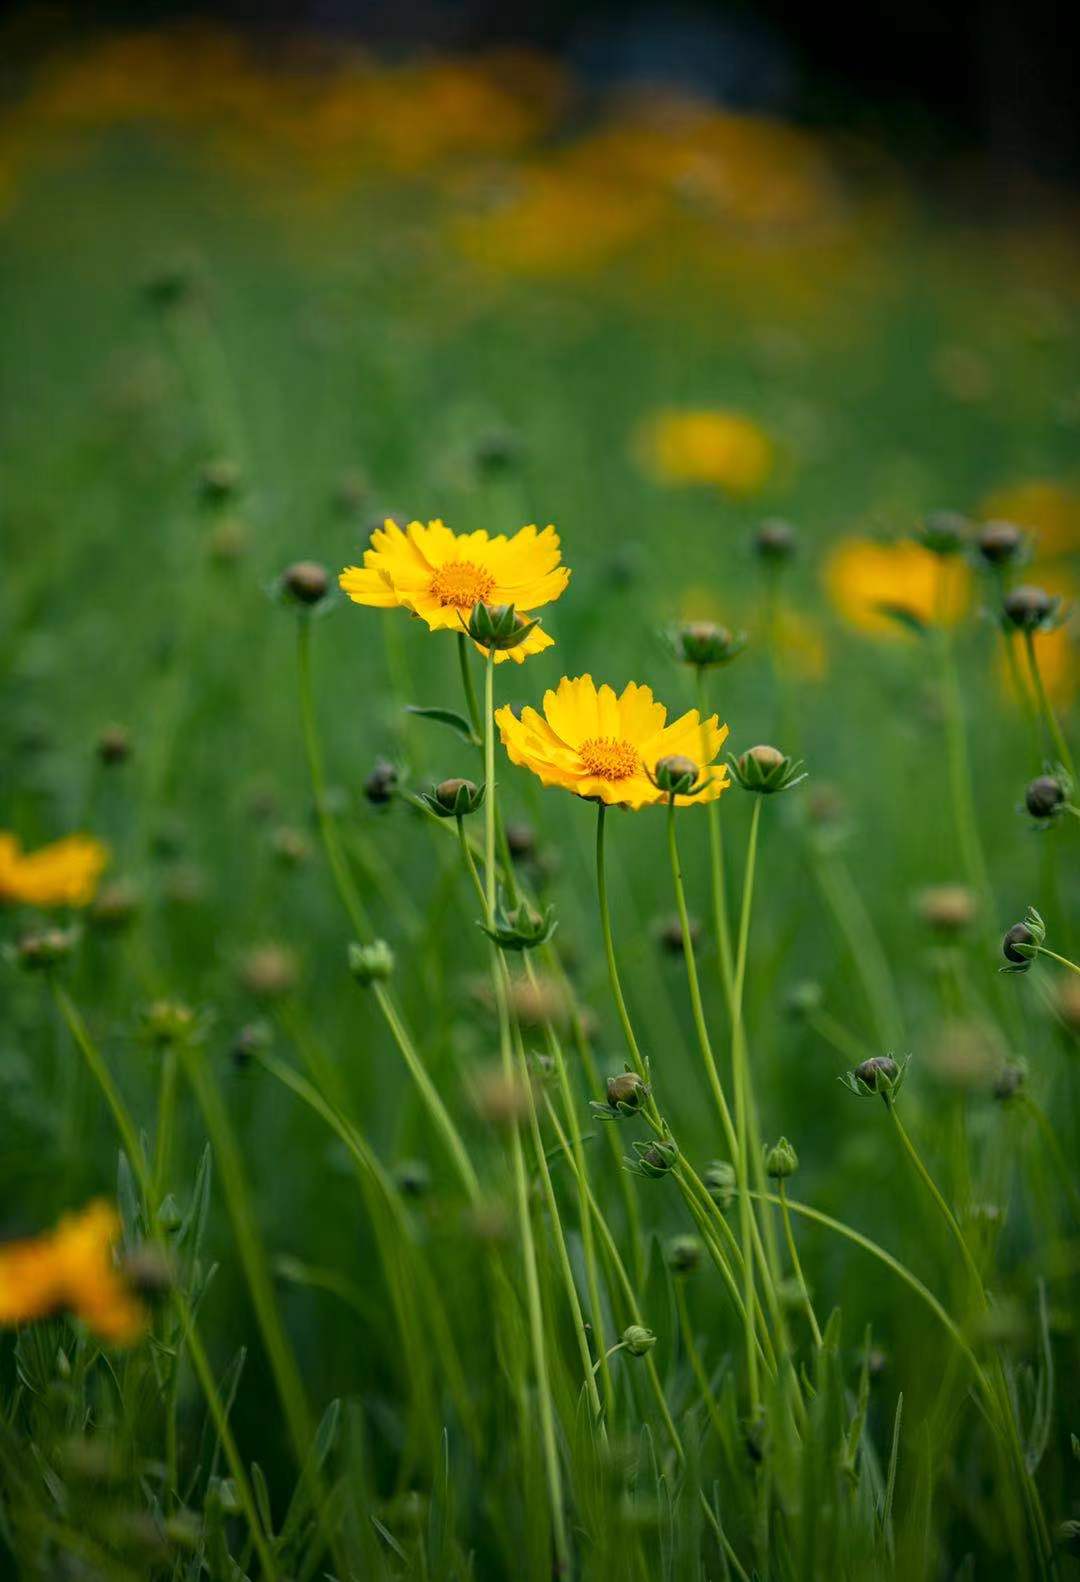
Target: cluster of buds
{"type": "Point", "coordinates": [945, 533]}
{"type": "Point", "coordinates": [704, 644]}
{"type": "Point", "coordinates": [879, 1075]}
{"type": "Point", "coordinates": [1048, 796]}
{"type": "Point", "coordinates": [653, 1159]}
{"type": "Point", "coordinates": [520, 927]}
{"type": "Point", "coordinates": [454, 798]}
{"type": "Point", "coordinates": [1029, 609]}
{"type": "Point", "coordinates": [676, 775]}
{"type": "Point", "coordinates": [1022, 942]}
{"type": "Point", "coordinates": [781, 1160]}
{"type": "Point", "coordinates": [766, 770]}
{"type": "Point", "coordinates": [372, 963]}
{"type": "Point", "coordinates": [43, 949]}
{"type": "Point", "coordinates": [498, 626]}
{"type": "Point", "coordinates": [626, 1095]}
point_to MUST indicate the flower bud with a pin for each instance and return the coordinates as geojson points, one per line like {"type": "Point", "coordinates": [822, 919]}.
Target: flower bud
{"type": "Point", "coordinates": [290, 846]}
{"type": "Point", "coordinates": [1030, 609]}
{"type": "Point", "coordinates": [720, 1182]}
{"type": "Point", "coordinates": [1009, 1081]}
{"type": "Point", "coordinates": [1044, 797]}
{"type": "Point", "coordinates": [803, 999]}
{"type": "Point", "coordinates": [164, 1023]}
{"type": "Point", "coordinates": [219, 480]}
{"type": "Point", "coordinates": [669, 935]}
{"type": "Point", "coordinates": [626, 1092]}
{"type": "Point", "coordinates": [945, 533]}
{"type": "Point", "coordinates": [229, 541]}
{"type": "Point", "coordinates": [683, 1254]}
{"type": "Point", "coordinates": [499, 1099]}
{"type": "Point", "coordinates": [305, 581]}
{"type": "Point", "coordinates": [381, 783]}
{"type": "Point", "coordinates": [413, 1178]}
{"type": "Point", "coordinates": [251, 1040]}
{"type": "Point", "coordinates": [454, 798]}
{"type": "Point", "coordinates": [781, 1160]}
{"type": "Point", "coordinates": [498, 626]}
{"type": "Point", "coordinates": [766, 770]}
{"type": "Point", "coordinates": [1000, 543]}
{"type": "Point", "coordinates": [169, 1217]}
{"type": "Point", "coordinates": [45, 948]}
{"type": "Point", "coordinates": [497, 452]}
{"type": "Point", "coordinates": [371, 963]}
{"type": "Point", "coordinates": [880, 1074]}
{"type": "Point", "coordinates": [775, 541]}
{"type": "Point", "coordinates": [1018, 934]}
{"type": "Point", "coordinates": [879, 1068]}
{"type": "Point", "coordinates": [638, 1340]}
{"type": "Point", "coordinates": [654, 1159]}
{"type": "Point", "coordinates": [115, 905]}
{"type": "Point", "coordinates": [704, 643]}
{"type": "Point", "coordinates": [947, 908]}
{"type": "Point", "coordinates": [269, 971]}
{"type": "Point", "coordinates": [114, 745]}
{"type": "Point", "coordinates": [149, 1271]}
{"type": "Point", "coordinates": [521, 839]}
{"type": "Point", "coordinates": [676, 775]}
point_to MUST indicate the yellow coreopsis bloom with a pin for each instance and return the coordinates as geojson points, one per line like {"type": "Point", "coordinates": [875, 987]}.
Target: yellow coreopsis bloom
{"type": "Point", "coordinates": [440, 576]}
{"type": "Point", "coordinates": [604, 746]}
{"type": "Point", "coordinates": [867, 580]}
{"type": "Point", "coordinates": [725, 449]}
{"type": "Point", "coordinates": [65, 873]}
{"type": "Point", "coordinates": [71, 1269]}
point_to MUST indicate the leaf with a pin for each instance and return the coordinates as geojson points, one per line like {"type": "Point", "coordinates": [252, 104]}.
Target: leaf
{"type": "Point", "coordinates": [388, 1538]}
{"type": "Point", "coordinates": [903, 617]}
{"type": "Point", "coordinates": [456, 722]}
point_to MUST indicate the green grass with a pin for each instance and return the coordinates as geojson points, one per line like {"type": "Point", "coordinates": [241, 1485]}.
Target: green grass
{"type": "Point", "coordinates": [359, 343]}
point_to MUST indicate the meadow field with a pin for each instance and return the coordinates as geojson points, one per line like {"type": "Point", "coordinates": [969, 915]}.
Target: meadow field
{"type": "Point", "coordinates": [465, 1115]}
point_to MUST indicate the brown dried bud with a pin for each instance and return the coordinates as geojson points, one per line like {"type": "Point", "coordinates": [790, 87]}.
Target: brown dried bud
{"type": "Point", "coordinates": [306, 581]}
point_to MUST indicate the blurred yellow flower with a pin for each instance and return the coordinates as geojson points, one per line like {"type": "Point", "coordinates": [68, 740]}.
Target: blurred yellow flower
{"type": "Point", "coordinates": [868, 580]}
{"type": "Point", "coordinates": [63, 874]}
{"type": "Point", "coordinates": [706, 446]}
{"type": "Point", "coordinates": [600, 745]}
{"type": "Point", "coordinates": [1043, 506]}
{"type": "Point", "coordinates": [440, 575]}
{"type": "Point", "coordinates": [72, 1269]}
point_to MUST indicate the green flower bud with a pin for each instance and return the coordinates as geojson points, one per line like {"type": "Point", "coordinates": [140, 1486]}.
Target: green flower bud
{"type": "Point", "coordinates": [677, 775]}
{"type": "Point", "coordinates": [521, 927]}
{"type": "Point", "coordinates": [654, 1159]}
{"type": "Point", "coordinates": [372, 963]}
{"type": "Point", "coordinates": [775, 541]}
{"type": "Point", "coordinates": [1045, 797]}
{"type": "Point", "coordinates": [626, 1094]}
{"type": "Point", "coordinates": [498, 626]}
{"type": "Point", "coordinates": [219, 480]}
{"type": "Point", "coordinates": [169, 1216]}
{"type": "Point", "coordinates": [1030, 609]}
{"type": "Point", "coordinates": [766, 770]}
{"type": "Point", "coordinates": [44, 949]}
{"type": "Point", "coordinates": [638, 1340]}
{"type": "Point", "coordinates": [720, 1182]}
{"type": "Point", "coordinates": [165, 1023]}
{"type": "Point", "coordinates": [945, 533]}
{"type": "Point", "coordinates": [704, 644]}
{"type": "Point", "coordinates": [114, 745]}
{"type": "Point", "coordinates": [454, 798]}
{"type": "Point", "coordinates": [1000, 543]}
{"type": "Point", "coordinates": [683, 1254]}
{"type": "Point", "coordinates": [781, 1160]}
{"type": "Point", "coordinates": [880, 1074]}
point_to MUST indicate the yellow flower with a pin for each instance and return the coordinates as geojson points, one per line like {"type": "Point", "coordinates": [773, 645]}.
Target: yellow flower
{"type": "Point", "coordinates": [866, 580]}
{"type": "Point", "coordinates": [63, 874]}
{"type": "Point", "coordinates": [600, 745]}
{"type": "Point", "coordinates": [440, 575]}
{"type": "Point", "coordinates": [706, 447]}
{"type": "Point", "coordinates": [1049, 509]}
{"type": "Point", "coordinates": [71, 1269]}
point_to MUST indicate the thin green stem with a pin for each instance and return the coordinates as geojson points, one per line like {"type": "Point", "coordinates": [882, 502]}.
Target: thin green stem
{"type": "Point", "coordinates": [796, 1264]}
{"type": "Point", "coordinates": [468, 686]}
{"type": "Point", "coordinates": [1062, 961]}
{"type": "Point", "coordinates": [741, 1077]}
{"type": "Point", "coordinates": [721, 925]}
{"type": "Point", "coordinates": [609, 947]}
{"type": "Point", "coordinates": [946, 1212]}
{"type": "Point", "coordinates": [166, 1115]}
{"type": "Point", "coordinates": [1053, 726]}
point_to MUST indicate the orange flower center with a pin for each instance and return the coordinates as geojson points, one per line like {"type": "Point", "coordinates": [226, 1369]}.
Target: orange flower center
{"type": "Point", "coordinates": [461, 583]}
{"type": "Point", "coordinates": [609, 758]}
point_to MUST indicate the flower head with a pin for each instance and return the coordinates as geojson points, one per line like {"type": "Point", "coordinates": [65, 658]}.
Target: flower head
{"type": "Point", "coordinates": [882, 588]}
{"type": "Point", "coordinates": [63, 874]}
{"type": "Point", "coordinates": [706, 446]}
{"type": "Point", "coordinates": [442, 576]}
{"type": "Point", "coordinates": [71, 1269]}
{"type": "Point", "coordinates": [605, 746]}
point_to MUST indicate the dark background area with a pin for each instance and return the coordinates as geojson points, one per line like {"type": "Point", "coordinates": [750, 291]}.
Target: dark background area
{"type": "Point", "coordinates": [995, 77]}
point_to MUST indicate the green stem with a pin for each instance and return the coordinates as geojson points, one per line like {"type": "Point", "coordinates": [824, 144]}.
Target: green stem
{"type": "Point", "coordinates": [165, 1121]}
{"type": "Point", "coordinates": [609, 948]}
{"type": "Point", "coordinates": [739, 1063]}
{"type": "Point", "coordinates": [350, 898]}
{"type": "Point", "coordinates": [946, 1212]}
{"type": "Point", "coordinates": [853, 920]}
{"type": "Point", "coordinates": [797, 1265]}
{"type": "Point", "coordinates": [469, 687]}
{"type": "Point", "coordinates": [534, 1305]}
{"type": "Point", "coordinates": [1062, 961]}
{"type": "Point", "coordinates": [721, 924]}
{"type": "Point", "coordinates": [1053, 727]}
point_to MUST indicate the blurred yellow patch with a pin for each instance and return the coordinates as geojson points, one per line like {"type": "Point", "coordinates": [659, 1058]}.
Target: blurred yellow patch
{"type": "Point", "coordinates": [801, 648]}
{"type": "Point", "coordinates": [867, 579]}
{"type": "Point", "coordinates": [605, 746]}
{"type": "Point", "coordinates": [1043, 506]}
{"type": "Point", "coordinates": [63, 874]}
{"type": "Point", "coordinates": [440, 576]}
{"type": "Point", "coordinates": [72, 1269]}
{"type": "Point", "coordinates": [706, 446]}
